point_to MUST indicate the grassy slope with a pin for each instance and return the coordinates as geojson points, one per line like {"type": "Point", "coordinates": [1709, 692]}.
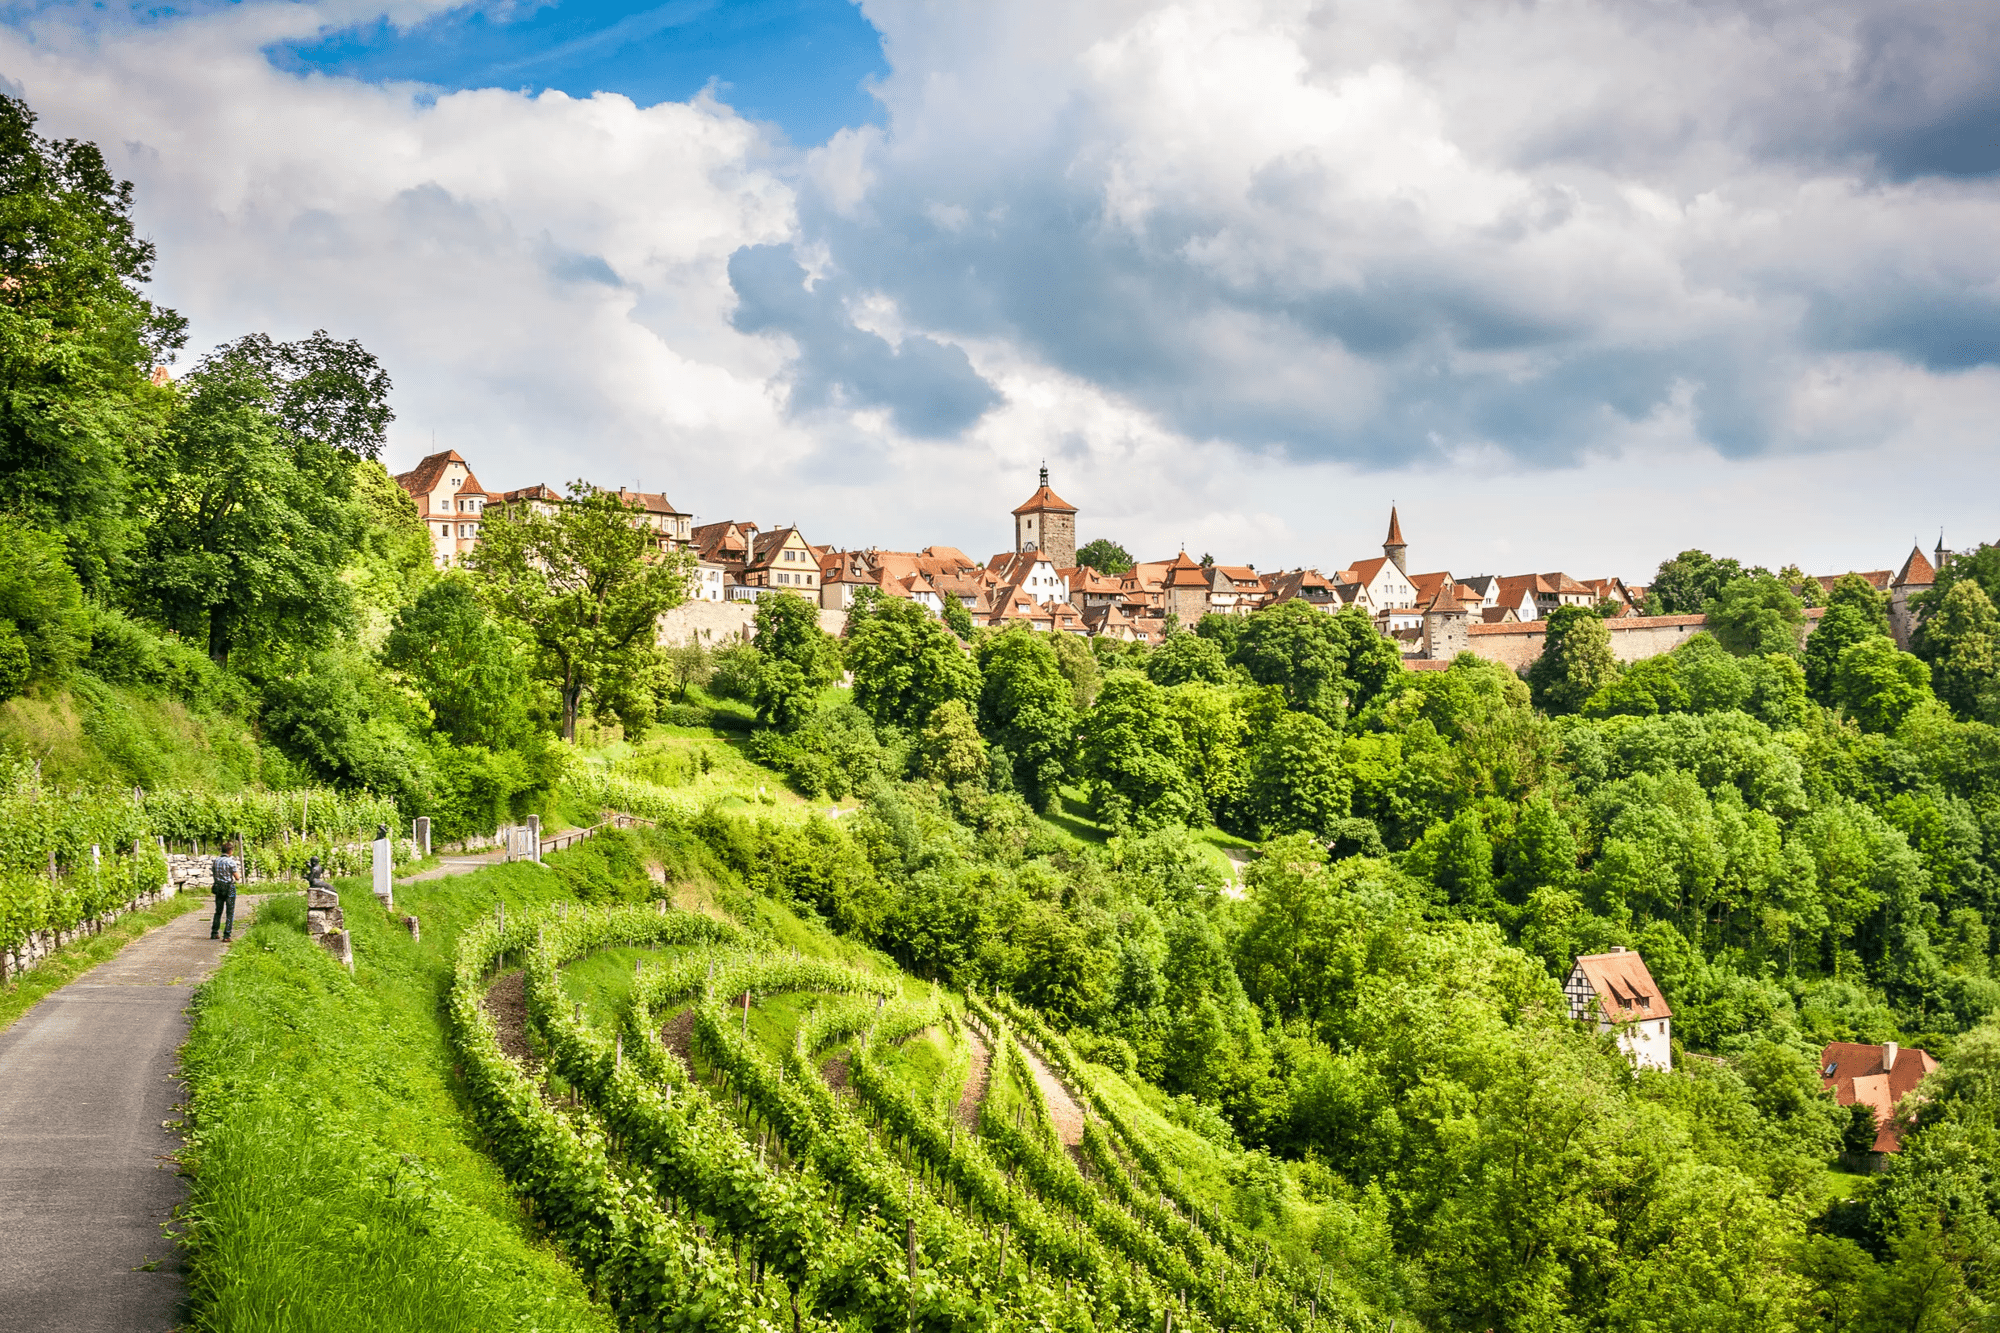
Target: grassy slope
{"type": "Point", "coordinates": [337, 1185]}
{"type": "Point", "coordinates": [110, 734]}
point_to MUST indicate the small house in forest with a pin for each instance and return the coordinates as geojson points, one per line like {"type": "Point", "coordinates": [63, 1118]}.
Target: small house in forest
{"type": "Point", "coordinates": [1617, 992]}
{"type": "Point", "coordinates": [1878, 1077]}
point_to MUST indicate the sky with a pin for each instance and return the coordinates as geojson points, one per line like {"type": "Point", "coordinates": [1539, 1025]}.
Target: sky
{"type": "Point", "coordinates": [1575, 284]}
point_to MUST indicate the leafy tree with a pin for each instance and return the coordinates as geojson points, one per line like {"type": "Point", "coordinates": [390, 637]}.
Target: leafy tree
{"type": "Point", "coordinates": [1687, 583]}
{"type": "Point", "coordinates": [797, 660]}
{"type": "Point", "coordinates": [1134, 755]}
{"type": "Point", "coordinates": [1650, 686]}
{"type": "Point", "coordinates": [1756, 615]}
{"type": "Point", "coordinates": [1024, 707]}
{"type": "Point", "coordinates": [690, 663]}
{"type": "Point", "coordinates": [1802, 584]}
{"type": "Point", "coordinates": [467, 670]}
{"type": "Point", "coordinates": [1457, 856]}
{"type": "Point", "coordinates": [77, 342]}
{"type": "Point", "coordinates": [1296, 782]}
{"type": "Point", "coordinates": [324, 708]}
{"type": "Point", "coordinates": [958, 619]}
{"type": "Point", "coordinates": [1839, 629]}
{"type": "Point", "coordinates": [906, 665]}
{"type": "Point", "coordinates": [250, 521]}
{"type": "Point", "coordinates": [1324, 665]}
{"type": "Point", "coordinates": [1959, 637]}
{"type": "Point", "coordinates": [1223, 631]}
{"type": "Point", "coordinates": [1878, 685]}
{"type": "Point", "coordinates": [1078, 663]}
{"type": "Point", "coordinates": [44, 623]}
{"type": "Point", "coordinates": [1576, 661]}
{"type": "Point", "coordinates": [1105, 556]}
{"type": "Point", "coordinates": [584, 585]}
{"type": "Point", "coordinates": [1187, 657]}
{"type": "Point", "coordinates": [949, 748]}
{"type": "Point", "coordinates": [1981, 566]}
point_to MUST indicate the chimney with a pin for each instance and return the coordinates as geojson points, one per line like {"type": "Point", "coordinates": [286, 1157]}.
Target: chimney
{"type": "Point", "coordinates": [1618, 948]}
{"type": "Point", "coordinates": [1888, 1056]}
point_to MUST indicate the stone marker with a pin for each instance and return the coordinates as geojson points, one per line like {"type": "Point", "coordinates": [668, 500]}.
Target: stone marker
{"type": "Point", "coordinates": [385, 868]}
{"type": "Point", "coordinates": [422, 835]}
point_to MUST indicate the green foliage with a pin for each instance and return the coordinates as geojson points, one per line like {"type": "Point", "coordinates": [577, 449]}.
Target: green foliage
{"type": "Point", "coordinates": [1959, 637]}
{"type": "Point", "coordinates": [1295, 779]}
{"type": "Point", "coordinates": [462, 666]}
{"type": "Point", "coordinates": [1576, 661]}
{"type": "Point", "coordinates": [1025, 708]}
{"type": "Point", "coordinates": [1105, 556]}
{"type": "Point", "coordinates": [77, 342]}
{"type": "Point", "coordinates": [949, 748]}
{"type": "Point", "coordinates": [1756, 615]}
{"type": "Point", "coordinates": [1188, 657]}
{"type": "Point", "coordinates": [833, 754]}
{"type": "Point", "coordinates": [584, 586]}
{"type": "Point", "coordinates": [799, 660]}
{"type": "Point", "coordinates": [1843, 626]}
{"type": "Point", "coordinates": [1078, 664]}
{"type": "Point", "coordinates": [1135, 757]}
{"type": "Point", "coordinates": [1878, 685]}
{"type": "Point", "coordinates": [1687, 583]}
{"type": "Point", "coordinates": [44, 624]}
{"type": "Point", "coordinates": [1324, 665]}
{"type": "Point", "coordinates": [958, 619]}
{"type": "Point", "coordinates": [906, 665]}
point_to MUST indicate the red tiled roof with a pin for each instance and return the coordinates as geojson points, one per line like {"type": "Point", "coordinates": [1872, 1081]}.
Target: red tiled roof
{"type": "Point", "coordinates": [1625, 989]}
{"type": "Point", "coordinates": [1364, 571]}
{"type": "Point", "coordinates": [1916, 571]}
{"type": "Point", "coordinates": [1395, 537]}
{"type": "Point", "coordinates": [1853, 1072]}
{"type": "Point", "coordinates": [424, 476]}
{"type": "Point", "coordinates": [651, 501]}
{"type": "Point", "coordinates": [1044, 498]}
{"type": "Point", "coordinates": [1878, 579]}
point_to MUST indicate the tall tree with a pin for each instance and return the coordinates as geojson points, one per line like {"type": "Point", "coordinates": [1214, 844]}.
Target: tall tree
{"type": "Point", "coordinates": [1686, 583]}
{"type": "Point", "coordinates": [1960, 639]}
{"type": "Point", "coordinates": [77, 342]}
{"type": "Point", "coordinates": [1187, 657]}
{"type": "Point", "coordinates": [799, 659]}
{"type": "Point", "coordinates": [906, 664]}
{"type": "Point", "coordinates": [251, 521]}
{"type": "Point", "coordinates": [1756, 615]}
{"type": "Point", "coordinates": [585, 585]}
{"type": "Point", "coordinates": [44, 622]}
{"type": "Point", "coordinates": [467, 670]}
{"type": "Point", "coordinates": [1325, 665]}
{"type": "Point", "coordinates": [1105, 556]}
{"type": "Point", "coordinates": [1878, 685]}
{"type": "Point", "coordinates": [1576, 660]}
{"type": "Point", "coordinates": [1024, 707]}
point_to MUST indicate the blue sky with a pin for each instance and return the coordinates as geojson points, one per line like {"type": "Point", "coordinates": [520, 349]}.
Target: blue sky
{"type": "Point", "coordinates": [801, 64]}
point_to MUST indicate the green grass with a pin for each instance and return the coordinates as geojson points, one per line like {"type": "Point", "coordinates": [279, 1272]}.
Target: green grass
{"type": "Point", "coordinates": [1844, 1184]}
{"type": "Point", "coordinates": [337, 1185]}
{"type": "Point", "coordinates": [24, 992]}
{"type": "Point", "coordinates": [114, 735]}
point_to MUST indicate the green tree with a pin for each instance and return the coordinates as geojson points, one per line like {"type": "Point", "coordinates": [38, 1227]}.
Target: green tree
{"type": "Point", "coordinates": [1576, 661]}
{"type": "Point", "coordinates": [77, 343]}
{"type": "Point", "coordinates": [466, 669]}
{"type": "Point", "coordinates": [906, 665]}
{"type": "Point", "coordinates": [1324, 665]}
{"type": "Point", "coordinates": [44, 623]}
{"type": "Point", "coordinates": [1295, 780]}
{"type": "Point", "coordinates": [1187, 657]}
{"type": "Point", "coordinates": [1839, 629]}
{"type": "Point", "coordinates": [1223, 631]}
{"type": "Point", "coordinates": [1755, 615]}
{"type": "Point", "coordinates": [1959, 637]}
{"type": "Point", "coordinates": [1105, 556]}
{"type": "Point", "coordinates": [1878, 685]}
{"type": "Point", "coordinates": [949, 748]}
{"type": "Point", "coordinates": [585, 585]}
{"type": "Point", "coordinates": [690, 663]}
{"type": "Point", "coordinates": [799, 660]}
{"type": "Point", "coordinates": [1134, 756]}
{"type": "Point", "coordinates": [250, 521]}
{"type": "Point", "coordinates": [1855, 591]}
{"type": "Point", "coordinates": [958, 619]}
{"type": "Point", "coordinates": [1024, 707]}
{"type": "Point", "coordinates": [1079, 667]}
{"type": "Point", "coordinates": [1687, 583]}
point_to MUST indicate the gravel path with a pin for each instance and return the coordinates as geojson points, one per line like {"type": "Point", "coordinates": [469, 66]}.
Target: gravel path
{"type": "Point", "coordinates": [87, 1084]}
{"type": "Point", "coordinates": [974, 1095]}
{"type": "Point", "coordinates": [1066, 1115]}
{"type": "Point", "coordinates": [459, 865]}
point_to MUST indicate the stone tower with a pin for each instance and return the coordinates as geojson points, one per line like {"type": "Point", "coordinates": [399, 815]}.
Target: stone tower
{"type": "Point", "coordinates": [1445, 623]}
{"type": "Point", "coordinates": [1047, 524]}
{"type": "Point", "coordinates": [1394, 546]}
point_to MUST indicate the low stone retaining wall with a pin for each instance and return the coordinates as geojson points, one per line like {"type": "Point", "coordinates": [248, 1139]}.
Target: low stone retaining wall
{"type": "Point", "coordinates": [40, 945]}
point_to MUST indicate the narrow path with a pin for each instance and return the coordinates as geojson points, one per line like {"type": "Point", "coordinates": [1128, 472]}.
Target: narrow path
{"type": "Point", "coordinates": [1064, 1113]}
{"type": "Point", "coordinates": [87, 1081]}
{"type": "Point", "coordinates": [459, 865]}
{"type": "Point", "coordinates": [974, 1095]}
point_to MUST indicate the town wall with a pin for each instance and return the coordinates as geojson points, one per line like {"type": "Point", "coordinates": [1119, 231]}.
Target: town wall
{"type": "Point", "coordinates": [720, 623]}
{"type": "Point", "coordinates": [1632, 638]}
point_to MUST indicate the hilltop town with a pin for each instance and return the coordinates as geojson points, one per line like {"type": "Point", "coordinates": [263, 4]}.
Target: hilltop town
{"type": "Point", "coordinates": [1041, 584]}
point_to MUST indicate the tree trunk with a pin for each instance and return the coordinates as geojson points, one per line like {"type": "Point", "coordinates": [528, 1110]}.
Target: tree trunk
{"type": "Point", "coordinates": [218, 636]}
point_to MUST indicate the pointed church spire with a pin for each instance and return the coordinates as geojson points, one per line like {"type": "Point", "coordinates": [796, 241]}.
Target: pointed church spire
{"type": "Point", "coordinates": [1395, 537]}
{"type": "Point", "coordinates": [1395, 547]}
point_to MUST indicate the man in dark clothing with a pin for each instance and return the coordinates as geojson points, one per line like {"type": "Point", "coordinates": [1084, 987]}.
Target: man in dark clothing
{"type": "Point", "coordinates": [227, 870]}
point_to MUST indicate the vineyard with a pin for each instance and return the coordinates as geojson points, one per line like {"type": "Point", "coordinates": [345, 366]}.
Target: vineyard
{"type": "Point", "coordinates": [728, 1140]}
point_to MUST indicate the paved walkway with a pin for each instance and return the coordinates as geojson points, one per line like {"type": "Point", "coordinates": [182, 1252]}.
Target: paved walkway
{"type": "Point", "coordinates": [86, 1078]}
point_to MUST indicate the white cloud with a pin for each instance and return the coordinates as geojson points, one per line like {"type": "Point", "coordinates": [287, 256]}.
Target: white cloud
{"type": "Point", "coordinates": [1578, 283]}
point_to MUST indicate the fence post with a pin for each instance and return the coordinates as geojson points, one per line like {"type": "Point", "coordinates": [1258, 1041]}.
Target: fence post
{"type": "Point", "coordinates": [421, 834]}
{"type": "Point", "coordinates": [535, 838]}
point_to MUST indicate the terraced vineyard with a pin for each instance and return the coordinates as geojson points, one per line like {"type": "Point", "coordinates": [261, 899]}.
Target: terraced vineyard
{"type": "Point", "coordinates": [736, 1137]}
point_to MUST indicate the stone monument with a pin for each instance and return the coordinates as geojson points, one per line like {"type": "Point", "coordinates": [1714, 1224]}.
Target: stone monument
{"type": "Point", "coordinates": [385, 869]}
{"type": "Point", "coordinates": [324, 921]}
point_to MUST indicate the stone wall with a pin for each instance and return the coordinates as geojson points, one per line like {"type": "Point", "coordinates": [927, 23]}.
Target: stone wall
{"type": "Point", "coordinates": [1632, 638]}
{"type": "Point", "coordinates": [42, 943]}
{"type": "Point", "coordinates": [718, 624]}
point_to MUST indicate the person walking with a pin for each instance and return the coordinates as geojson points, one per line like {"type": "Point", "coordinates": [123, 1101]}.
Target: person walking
{"type": "Point", "coordinates": [227, 870]}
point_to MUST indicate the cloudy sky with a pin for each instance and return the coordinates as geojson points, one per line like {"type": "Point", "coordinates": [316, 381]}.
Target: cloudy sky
{"type": "Point", "coordinates": [1575, 283]}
